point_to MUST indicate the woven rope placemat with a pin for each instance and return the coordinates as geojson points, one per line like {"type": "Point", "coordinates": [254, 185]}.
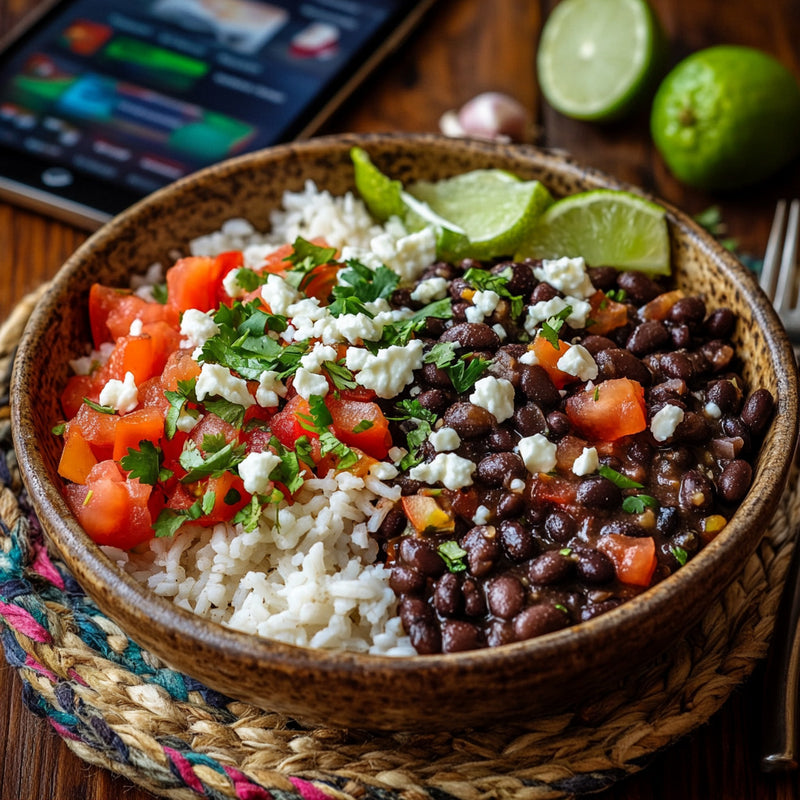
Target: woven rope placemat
{"type": "Point", "coordinates": [117, 706]}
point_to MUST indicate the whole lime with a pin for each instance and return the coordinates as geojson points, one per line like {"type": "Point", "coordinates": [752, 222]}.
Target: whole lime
{"type": "Point", "coordinates": [726, 116]}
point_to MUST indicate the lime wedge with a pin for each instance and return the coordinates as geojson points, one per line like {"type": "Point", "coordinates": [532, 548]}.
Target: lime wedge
{"type": "Point", "coordinates": [608, 228]}
{"type": "Point", "coordinates": [597, 58]}
{"type": "Point", "coordinates": [493, 207]}
{"type": "Point", "coordinates": [381, 194]}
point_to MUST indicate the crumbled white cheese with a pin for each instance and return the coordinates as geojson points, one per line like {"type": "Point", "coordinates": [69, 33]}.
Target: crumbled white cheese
{"type": "Point", "coordinates": [496, 395]}
{"type": "Point", "coordinates": [397, 454]}
{"type": "Point", "coordinates": [270, 388]}
{"type": "Point", "coordinates": [408, 255]}
{"type": "Point", "coordinates": [578, 361]}
{"type": "Point", "coordinates": [544, 309]}
{"type": "Point", "coordinates": [232, 286]}
{"type": "Point", "coordinates": [587, 462]}
{"type": "Point", "coordinates": [664, 422]}
{"type": "Point", "coordinates": [517, 485]}
{"type": "Point", "coordinates": [482, 515]}
{"type": "Point", "coordinates": [122, 396]}
{"type": "Point", "coordinates": [383, 471]}
{"type": "Point", "coordinates": [310, 383]}
{"type": "Point", "coordinates": [317, 356]}
{"type": "Point", "coordinates": [357, 328]}
{"type": "Point", "coordinates": [445, 439]}
{"type": "Point", "coordinates": [500, 331]}
{"type": "Point", "coordinates": [429, 290]}
{"type": "Point", "coordinates": [538, 454]}
{"type": "Point", "coordinates": [278, 295]}
{"type": "Point", "coordinates": [568, 275]}
{"type": "Point", "coordinates": [449, 469]}
{"type": "Point", "coordinates": [136, 328]}
{"type": "Point", "coordinates": [483, 304]}
{"type": "Point", "coordinates": [186, 422]}
{"type": "Point", "coordinates": [529, 357]}
{"type": "Point", "coordinates": [713, 410]}
{"type": "Point", "coordinates": [214, 379]}
{"type": "Point", "coordinates": [197, 327]}
{"type": "Point", "coordinates": [307, 308]}
{"type": "Point", "coordinates": [388, 371]}
{"type": "Point", "coordinates": [255, 470]}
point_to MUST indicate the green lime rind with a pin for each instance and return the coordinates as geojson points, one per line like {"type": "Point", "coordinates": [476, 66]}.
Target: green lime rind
{"type": "Point", "coordinates": [726, 117]}
{"type": "Point", "coordinates": [381, 194]}
{"type": "Point", "coordinates": [608, 228]}
{"type": "Point", "coordinates": [600, 59]}
{"type": "Point", "coordinates": [493, 207]}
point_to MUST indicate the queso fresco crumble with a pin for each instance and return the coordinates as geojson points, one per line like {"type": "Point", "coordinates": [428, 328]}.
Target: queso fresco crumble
{"type": "Point", "coordinates": [345, 442]}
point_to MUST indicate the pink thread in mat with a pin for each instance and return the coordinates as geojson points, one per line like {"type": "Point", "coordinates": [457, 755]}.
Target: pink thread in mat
{"type": "Point", "coordinates": [185, 770]}
{"type": "Point", "coordinates": [245, 789]}
{"type": "Point", "coordinates": [20, 620]}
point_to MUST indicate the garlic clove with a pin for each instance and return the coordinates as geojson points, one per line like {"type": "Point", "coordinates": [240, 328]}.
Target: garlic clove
{"type": "Point", "coordinates": [494, 115]}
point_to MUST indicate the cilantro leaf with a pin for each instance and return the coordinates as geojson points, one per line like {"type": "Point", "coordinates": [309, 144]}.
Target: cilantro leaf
{"type": "Point", "coordinates": [97, 407]}
{"type": "Point", "coordinates": [636, 504]}
{"type": "Point", "coordinates": [423, 420]}
{"type": "Point", "coordinates": [681, 556]}
{"type": "Point", "coordinates": [465, 372]}
{"type": "Point", "coordinates": [304, 259]}
{"type": "Point", "coordinates": [177, 405]}
{"type": "Point", "coordinates": [441, 354]}
{"type": "Point", "coordinates": [220, 458]}
{"type": "Point", "coordinates": [249, 515]}
{"type": "Point", "coordinates": [359, 284]}
{"type": "Point", "coordinates": [618, 479]}
{"type": "Point", "coordinates": [341, 376]}
{"type": "Point", "coordinates": [453, 556]}
{"type": "Point", "coordinates": [552, 326]}
{"type": "Point", "coordinates": [362, 426]}
{"type": "Point", "coordinates": [145, 463]}
{"type": "Point", "coordinates": [170, 520]}
{"type": "Point", "coordinates": [486, 281]}
{"type": "Point", "coordinates": [159, 292]}
{"type": "Point", "coordinates": [59, 430]}
{"type": "Point", "coordinates": [398, 333]}
{"type": "Point", "coordinates": [250, 280]}
{"type": "Point", "coordinates": [232, 413]}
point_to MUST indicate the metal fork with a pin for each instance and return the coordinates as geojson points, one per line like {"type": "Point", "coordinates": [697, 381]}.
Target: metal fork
{"type": "Point", "coordinates": [779, 739]}
{"type": "Point", "coordinates": [779, 275]}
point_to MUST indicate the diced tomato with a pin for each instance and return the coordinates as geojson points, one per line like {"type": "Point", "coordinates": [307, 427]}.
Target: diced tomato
{"type": "Point", "coordinates": [144, 356]}
{"type": "Point", "coordinates": [548, 356]}
{"type": "Point", "coordinates": [111, 510]}
{"type": "Point", "coordinates": [609, 410]}
{"type": "Point", "coordinates": [212, 425]}
{"type": "Point", "coordinates": [144, 424]}
{"type": "Point", "coordinates": [78, 387]}
{"type": "Point", "coordinates": [348, 415]}
{"type": "Point", "coordinates": [180, 366]}
{"type": "Point", "coordinates": [659, 307]}
{"type": "Point", "coordinates": [634, 557]}
{"type": "Point", "coordinates": [229, 261]}
{"type": "Point", "coordinates": [97, 428]}
{"type": "Point", "coordinates": [151, 395]}
{"type": "Point", "coordinates": [286, 424]}
{"type": "Point", "coordinates": [77, 457]}
{"type": "Point", "coordinates": [228, 486]}
{"type": "Point", "coordinates": [193, 282]}
{"type": "Point", "coordinates": [606, 314]}
{"type": "Point", "coordinates": [321, 281]}
{"type": "Point", "coordinates": [424, 513]}
{"type": "Point", "coordinates": [569, 448]}
{"type": "Point", "coordinates": [102, 300]}
{"type": "Point", "coordinates": [554, 489]}
{"type": "Point", "coordinates": [276, 261]}
{"type": "Point", "coordinates": [360, 393]}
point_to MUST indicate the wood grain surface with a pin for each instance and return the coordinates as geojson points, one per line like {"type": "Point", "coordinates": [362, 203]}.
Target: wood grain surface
{"type": "Point", "coordinates": [462, 48]}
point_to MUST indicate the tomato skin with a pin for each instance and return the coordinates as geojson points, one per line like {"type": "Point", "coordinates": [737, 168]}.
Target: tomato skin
{"type": "Point", "coordinates": [375, 441]}
{"type": "Point", "coordinates": [193, 282]}
{"type": "Point", "coordinates": [77, 457]}
{"type": "Point", "coordinates": [144, 424]}
{"type": "Point", "coordinates": [634, 557]}
{"type": "Point", "coordinates": [78, 387]}
{"type": "Point", "coordinates": [608, 411]}
{"type": "Point", "coordinates": [548, 356]}
{"type": "Point", "coordinates": [112, 311]}
{"type": "Point", "coordinates": [606, 314]}
{"type": "Point", "coordinates": [286, 424]}
{"type": "Point", "coordinates": [97, 428]}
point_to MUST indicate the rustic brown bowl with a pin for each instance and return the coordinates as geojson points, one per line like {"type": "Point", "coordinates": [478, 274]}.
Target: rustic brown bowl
{"type": "Point", "coordinates": [341, 689]}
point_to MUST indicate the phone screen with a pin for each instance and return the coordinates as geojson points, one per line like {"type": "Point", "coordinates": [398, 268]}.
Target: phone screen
{"type": "Point", "coordinates": [132, 95]}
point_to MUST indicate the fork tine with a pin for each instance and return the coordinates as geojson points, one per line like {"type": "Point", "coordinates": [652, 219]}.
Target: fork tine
{"type": "Point", "coordinates": [786, 292]}
{"type": "Point", "coordinates": [771, 257]}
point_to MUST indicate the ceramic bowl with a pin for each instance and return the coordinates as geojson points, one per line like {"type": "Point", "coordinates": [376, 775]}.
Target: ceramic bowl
{"type": "Point", "coordinates": [339, 689]}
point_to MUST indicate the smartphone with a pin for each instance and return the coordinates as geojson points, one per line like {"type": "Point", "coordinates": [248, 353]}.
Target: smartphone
{"type": "Point", "coordinates": [105, 101]}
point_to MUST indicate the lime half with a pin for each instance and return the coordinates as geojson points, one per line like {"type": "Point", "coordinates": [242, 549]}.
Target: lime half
{"type": "Point", "coordinates": [608, 228]}
{"type": "Point", "coordinates": [597, 58]}
{"type": "Point", "coordinates": [492, 207]}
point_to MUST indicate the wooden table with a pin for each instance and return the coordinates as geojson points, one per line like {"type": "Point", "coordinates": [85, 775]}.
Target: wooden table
{"type": "Point", "coordinates": [465, 47]}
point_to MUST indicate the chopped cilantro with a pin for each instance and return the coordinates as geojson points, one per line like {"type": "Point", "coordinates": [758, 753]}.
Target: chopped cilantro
{"type": "Point", "coordinates": [318, 422]}
{"type": "Point", "coordinates": [250, 280]}
{"type": "Point", "coordinates": [159, 291]}
{"type": "Point", "coordinates": [232, 413]}
{"type": "Point", "coordinates": [97, 407]}
{"type": "Point", "coordinates": [398, 333]}
{"type": "Point", "coordinates": [358, 285]}
{"type": "Point", "coordinates": [362, 426]}
{"type": "Point", "coordinates": [177, 405]}
{"type": "Point", "coordinates": [249, 515]}
{"type": "Point", "coordinates": [617, 295]}
{"type": "Point", "coordinates": [341, 376]}
{"type": "Point", "coordinates": [423, 420]}
{"type": "Point", "coordinates": [441, 354]}
{"type": "Point", "coordinates": [486, 281]}
{"type": "Point", "coordinates": [596, 395]}
{"type": "Point", "coordinates": [681, 556]}
{"type": "Point", "coordinates": [552, 326]}
{"type": "Point", "coordinates": [146, 464]}
{"type": "Point", "coordinates": [453, 556]}
{"type": "Point", "coordinates": [170, 520]}
{"type": "Point", "coordinates": [636, 504]}
{"type": "Point", "coordinates": [304, 259]}
{"type": "Point", "coordinates": [59, 430]}
{"type": "Point", "coordinates": [618, 479]}
{"type": "Point", "coordinates": [222, 456]}
{"type": "Point", "coordinates": [465, 372]}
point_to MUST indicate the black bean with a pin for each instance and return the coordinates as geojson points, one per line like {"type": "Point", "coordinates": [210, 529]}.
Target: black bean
{"type": "Point", "coordinates": [433, 328]}
{"type": "Point", "coordinates": [688, 310]}
{"type": "Point", "coordinates": [681, 336]}
{"type": "Point", "coordinates": [638, 286]}
{"type": "Point", "coordinates": [757, 410]}
{"type": "Point", "coordinates": [469, 421]}
{"type": "Point", "coordinates": [596, 609]}
{"type": "Point", "coordinates": [687, 540]}
{"type": "Point", "coordinates": [420, 624]}
{"type": "Point", "coordinates": [603, 278]}
{"type": "Point", "coordinates": [542, 293]}
{"type": "Point", "coordinates": [447, 597]}
{"type": "Point", "coordinates": [538, 620]}
{"type": "Point", "coordinates": [726, 395]}
{"type": "Point", "coordinates": [594, 566]}
{"type": "Point", "coordinates": [420, 553]}
{"type": "Point", "coordinates": [436, 400]}
{"type": "Point", "coordinates": [624, 527]}
{"type": "Point", "coordinates": [640, 452]}
{"type": "Point", "coordinates": [696, 492]}
{"type": "Point", "coordinates": [736, 428]}
{"type": "Point", "coordinates": [560, 526]}
{"type": "Point", "coordinates": [692, 429]}
{"type": "Point", "coordinates": [505, 596]}
{"type": "Point", "coordinates": [409, 485]}
{"type": "Point", "coordinates": [474, 602]}
{"type": "Point", "coordinates": [500, 631]}
{"type": "Point", "coordinates": [614, 362]}
{"type": "Point", "coordinates": [483, 549]}
{"type": "Point", "coordinates": [671, 390]}
{"type": "Point", "coordinates": [596, 344]}
{"type": "Point", "coordinates": [597, 492]}
{"type": "Point", "coordinates": [667, 520]}
{"type": "Point", "coordinates": [677, 366]}
{"type": "Point", "coordinates": [457, 288]}
{"type": "Point", "coordinates": [529, 419]}
{"type": "Point", "coordinates": [718, 353]}
{"type": "Point", "coordinates": [558, 424]}
{"type": "Point", "coordinates": [472, 335]}
{"type": "Point", "coordinates": [735, 480]}
{"type": "Point", "coordinates": [720, 323]}
{"type": "Point", "coordinates": [435, 376]}
{"type": "Point", "coordinates": [406, 580]}
{"type": "Point", "coordinates": [511, 504]}
{"type": "Point", "coordinates": [499, 469]}
{"type": "Point", "coordinates": [550, 567]}
{"type": "Point", "coordinates": [521, 280]}
{"type": "Point", "coordinates": [458, 635]}
{"type": "Point", "coordinates": [517, 540]}
{"type": "Point", "coordinates": [440, 269]}
{"type": "Point", "coordinates": [502, 440]}
{"type": "Point", "coordinates": [394, 523]}
{"type": "Point", "coordinates": [505, 365]}
{"type": "Point", "coordinates": [648, 337]}
{"type": "Point", "coordinates": [459, 312]}
{"type": "Point", "coordinates": [537, 386]}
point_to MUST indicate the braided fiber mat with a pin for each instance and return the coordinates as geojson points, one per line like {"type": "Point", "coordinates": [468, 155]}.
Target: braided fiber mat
{"type": "Point", "coordinates": [117, 706]}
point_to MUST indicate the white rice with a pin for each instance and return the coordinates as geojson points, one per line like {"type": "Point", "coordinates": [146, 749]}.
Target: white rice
{"type": "Point", "coordinates": [306, 575]}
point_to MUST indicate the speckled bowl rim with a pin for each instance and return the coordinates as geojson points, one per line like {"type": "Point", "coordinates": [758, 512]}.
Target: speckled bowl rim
{"type": "Point", "coordinates": [617, 626]}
